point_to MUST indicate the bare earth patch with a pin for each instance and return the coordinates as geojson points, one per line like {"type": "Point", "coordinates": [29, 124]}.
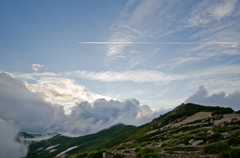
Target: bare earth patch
{"type": "Point", "coordinates": [196, 116]}
{"type": "Point", "coordinates": [227, 118]}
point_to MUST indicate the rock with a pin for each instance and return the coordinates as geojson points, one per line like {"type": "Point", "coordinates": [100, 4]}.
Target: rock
{"type": "Point", "coordinates": [191, 141]}
{"type": "Point", "coordinates": [225, 135]}
{"type": "Point", "coordinates": [210, 131]}
{"type": "Point", "coordinates": [107, 155]}
{"type": "Point", "coordinates": [195, 143]}
{"type": "Point", "coordinates": [222, 125]}
{"type": "Point", "coordinates": [233, 120]}
{"type": "Point", "coordinates": [218, 117]}
{"type": "Point", "coordinates": [62, 156]}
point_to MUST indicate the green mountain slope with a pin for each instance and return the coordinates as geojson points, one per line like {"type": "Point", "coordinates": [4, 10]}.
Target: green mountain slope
{"type": "Point", "coordinates": [190, 130]}
{"type": "Point", "coordinates": [85, 143]}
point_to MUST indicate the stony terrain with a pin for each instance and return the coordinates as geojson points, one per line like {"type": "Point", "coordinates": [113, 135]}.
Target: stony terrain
{"type": "Point", "coordinates": [188, 137]}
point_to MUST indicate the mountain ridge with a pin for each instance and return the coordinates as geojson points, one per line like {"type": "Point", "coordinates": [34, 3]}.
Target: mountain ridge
{"type": "Point", "coordinates": [163, 135]}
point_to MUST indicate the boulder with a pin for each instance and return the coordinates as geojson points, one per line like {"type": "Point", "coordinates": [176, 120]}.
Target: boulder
{"type": "Point", "coordinates": [197, 142]}
{"type": "Point", "coordinates": [191, 141]}
{"type": "Point", "coordinates": [210, 131]}
{"type": "Point", "coordinates": [225, 135]}
{"type": "Point", "coordinates": [107, 155]}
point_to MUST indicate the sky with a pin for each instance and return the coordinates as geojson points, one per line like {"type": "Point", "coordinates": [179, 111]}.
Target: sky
{"type": "Point", "coordinates": [104, 62]}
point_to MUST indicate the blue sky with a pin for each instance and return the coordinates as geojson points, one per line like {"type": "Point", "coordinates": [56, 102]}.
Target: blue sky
{"type": "Point", "coordinates": [158, 52]}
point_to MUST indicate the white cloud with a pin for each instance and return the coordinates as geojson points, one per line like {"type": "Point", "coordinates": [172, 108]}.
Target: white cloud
{"type": "Point", "coordinates": [36, 67]}
{"type": "Point", "coordinates": [208, 11]}
{"type": "Point", "coordinates": [103, 113]}
{"type": "Point", "coordinates": [217, 99]}
{"type": "Point", "coordinates": [218, 78]}
{"type": "Point", "coordinates": [138, 20]}
{"type": "Point", "coordinates": [217, 71]}
{"type": "Point", "coordinates": [205, 49]}
{"type": "Point", "coordinates": [64, 91]}
{"type": "Point", "coordinates": [9, 147]}
{"type": "Point", "coordinates": [27, 108]}
{"type": "Point", "coordinates": [39, 138]}
{"type": "Point", "coordinates": [137, 76]}
{"type": "Point", "coordinates": [224, 8]}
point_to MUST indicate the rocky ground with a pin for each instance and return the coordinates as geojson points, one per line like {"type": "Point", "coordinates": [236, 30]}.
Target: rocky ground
{"type": "Point", "coordinates": [187, 138]}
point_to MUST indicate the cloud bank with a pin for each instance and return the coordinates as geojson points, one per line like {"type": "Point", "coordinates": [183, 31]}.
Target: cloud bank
{"type": "Point", "coordinates": [217, 99]}
{"type": "Point", "coordinates": [9, 147]}
{"type": "Point", "coordinates": [34, 112]}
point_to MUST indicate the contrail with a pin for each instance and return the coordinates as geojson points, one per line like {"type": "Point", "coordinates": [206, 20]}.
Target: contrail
{"type": "Point", "coordinates": [160, 43]}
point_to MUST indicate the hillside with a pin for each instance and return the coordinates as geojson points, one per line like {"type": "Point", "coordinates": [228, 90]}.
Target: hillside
{"type": "Point", "coordinates": [189, 130]}
{"type": "Point", "coordinates": [91, 142]}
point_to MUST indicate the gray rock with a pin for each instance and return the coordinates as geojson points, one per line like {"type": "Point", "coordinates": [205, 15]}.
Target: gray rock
{"type": "Point", "coordinates": [234, 120]}
{"type": "Point", "coordinates": [225, 135]}
{"type": "Point", "coordinates": [106, 155]}
{"type": "Point", "coordinates": [191, 141]}
{"type": "Point", "coordinates": [210, 131]}
{"type": "Point", "coordinates": [195, 143]}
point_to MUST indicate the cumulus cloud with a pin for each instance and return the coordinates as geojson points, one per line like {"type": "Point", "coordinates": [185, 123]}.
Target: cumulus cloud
{"type": "Point", "coordinates": [27, 108]}
{"type": "Point", "coordinates": [33, 113]}
{"type": "Point", "coordinates": [216, 99]}
{"type": "Point", "coordinates": [36, 67]}
{"type": "Point", "coordinates": [64, 91]}
{"type": "Point", "coordinates": [102, 114]}
{"type": "Point", "coordinates": [9, 147]}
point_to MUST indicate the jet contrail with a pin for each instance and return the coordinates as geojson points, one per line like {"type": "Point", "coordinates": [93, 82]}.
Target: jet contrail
{"type": "Point", "coordinates": [161, 43]}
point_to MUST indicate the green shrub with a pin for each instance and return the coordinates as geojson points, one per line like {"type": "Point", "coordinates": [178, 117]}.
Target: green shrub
{"type": "Point", "coordinates": [164, 145]}
{"type": "Point", "coordinates": [137, 149]}
{"type": "Point", "coordinates": [234, 141]}
{"type": "Point", "coordinates": [187, 139]}
{"type": "Point", "coordinates": [216, 148]}
{"type": "Point", "coordinates": [224, 154]}
{"type": "Point", "coordinates": [82, 155]}
{"type": "Point", "coordinates": [97, 154]}
{"type": "Point", "coordinates": [183, 148]}
{"type": "Point", "coordinates": [121, 147]}
{"type": "Point", "coordinates": [235, 123]}
{"type": "Point", "coordinates": [118, 155]}
{"type": "Point", "coordinates": [235, 153]}
{"type": "Point", "coordinates": [147, 153]}
{"type": "Point", "coordinates": [201, 136]}
{"type": "Point", "coordinates": [148, 150]}
{"type": "Point", "coordinates": [215, 137]}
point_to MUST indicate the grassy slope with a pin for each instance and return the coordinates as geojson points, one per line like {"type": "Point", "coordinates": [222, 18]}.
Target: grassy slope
{"type": "Point", "coordinates": [85, 143]}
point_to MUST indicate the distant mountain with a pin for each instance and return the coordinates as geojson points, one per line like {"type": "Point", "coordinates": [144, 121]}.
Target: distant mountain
{"type": "Point", "coordinates": [190, 130]}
